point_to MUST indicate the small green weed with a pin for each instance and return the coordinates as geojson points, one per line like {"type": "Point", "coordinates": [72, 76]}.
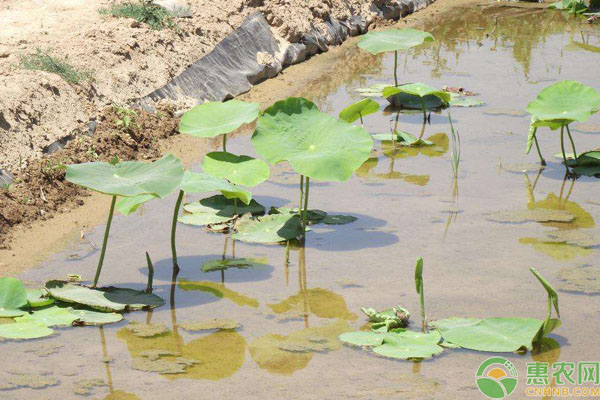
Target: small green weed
{"type": "Point", "coordinates": [127, 118]}
{"type": "Point", "coordinates": [143, 11]}
{"type": "Point", "coordinates": [43, 61]}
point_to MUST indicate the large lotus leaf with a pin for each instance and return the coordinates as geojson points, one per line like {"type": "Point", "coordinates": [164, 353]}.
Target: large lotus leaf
{"type": "Point", "coordinates": [106, 299]}
{"type": "Point", "coordinates": [413, 102]}
{"type": "Point", "coordinates": [417, 89]}
{"type": "Point", "coordinates": [401, 344]}
{"type": "Point", "coordinates": [316, 145]}
{"type": "Point", "coordinates": [393, 40]}
{"type": "Point", "coordinates": [239, 170]}
{"type": "Point", "coordinates": [223, 207]}
{"type": "Point", "coordinates": [129, 205]}
{"type": "Point", "coordinates": [239, 263]}
{"type": "Point", "coordinates": [128, 178]}
{"type": "Point", "coordinates": [50, 316]}
{"type": "Point", "coordinates": [496, 334]}
{"type": "Point", "coordinates": [589, 170]}
{"type": "Point", "coordinates": [565, 102]}
{"type": "Point", "coordinates": [204, 183]}
{"type": "Point", "coordinates": [38, 298]}
{"type": "Point", "coordinates": [212, 119]}
{"type": "Point", "coordinates": [273, 228]}
{"type": "Point", "coordinates": [12, 296]}
{"type": "Point", "coordinates": [449, 323]}
{"type": "Point", "coordinates": [88, 317]}
{"type": "Point", "coordinates": [359, 110]}
{"type": "Point", "coordinates": [25, 330]}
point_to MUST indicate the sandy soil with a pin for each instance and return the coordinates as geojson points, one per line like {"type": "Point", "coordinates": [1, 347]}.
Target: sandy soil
{"type": "Point", "coordinates": [127, 60]}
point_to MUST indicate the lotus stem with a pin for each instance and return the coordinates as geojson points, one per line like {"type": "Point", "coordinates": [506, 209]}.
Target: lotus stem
{"type": "Point", "coordinates": [548, 311]}
{"type": "Point", "coordinates": [361, 120]}
{"type": "Point", "coordinates": [301, 194]}
{"type": "Point", "coordinates": [537, 147]}
{"type": "Point", "coordinates": [562, 146]}
{"type": "Point", "coordinates": [424, 109]}
{"type": "Point", "coordinates": [105, 241]}
{"type": "Point", "coordinates": [305, 212]}
{"type": "Point", "coordinates": [225, 142]}
{"type": "Point", "coordinates": [572, 144]}
{"type": "Point", "coordinates": [174, 229]}
{"type": "Point", "coordinates": [423, 317]}
{"type": "Point", "coordinates": [150, 273]}
{"type": "Point", "coordinates": [396, 68]}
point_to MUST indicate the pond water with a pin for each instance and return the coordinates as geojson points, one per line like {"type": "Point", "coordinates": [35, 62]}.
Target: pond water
{"type": "Point", "coordinates": [407, 204]}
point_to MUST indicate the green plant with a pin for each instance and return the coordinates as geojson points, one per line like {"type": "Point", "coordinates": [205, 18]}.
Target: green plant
{"type": "Point", "coordinates": [316, 145]}
{"type": "Point", "coordinates": [421, 91]}
{"type": "Point", "coordinates": [556, 107]}
{"type": "Point", "coordinates": [127, 118]}
{"type": "Point", "coordinates": [359, 110]}
{"type": "Point", "coordinates": [421, 291]}
{"type": "Point", "coordinates": [127, 179]}
{"type": "Point", "coordinates": [394, 40]}
{"type": "Point", "coordinates": [143, 11]}
{"type": "Point", "coordinates": [43, 61]}
{"type": "Point", "coordinates": [573, 7]}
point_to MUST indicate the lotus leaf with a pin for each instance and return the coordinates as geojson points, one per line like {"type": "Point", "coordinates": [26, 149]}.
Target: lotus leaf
{"type": "Point", "coordinates": [240, 263]}
{"type": "Point", "coordinates": [359, 110]}
{"type": "Point", "coordinates": [201, 219]}
{"type": "Point", "coordinates": [536, 215]}
{"type": "Point", "coordinates": [463, 101]}
{"type": "Point", "coordinates": [239, 170]}
{"type": "Point", "coordinates": [402, 345]}
{"type": "Point", "coordinates": [316, 145]}
{"type": "Point", "coordinates": [223, 207]}
{"type": "Point", "coordinates": [25, 330]}
{"type": "Point", "coordinates": [38, 298]}
{"type": "Point", "coordinates": [407, 101]}
{"type": "Point", "coordinates": [12, 297]}
{"type": "Point", "coordinates": [88, 317]}
{"type": "Point", "coordinates": [417, 89]}
{"type": "Point", "coordinates": [128, 178]}
{"type": "Point", "coordinates": [205, 183]}
{"type": "Point", "coordinates": [565, 102]}
{"type": "Point", "coordinates": [338, 219]}
{"type": "Point", "coordinates": [212, 119]}
{"type": "Point", "coordinates": [552, 295]}
{"type": "Point", "coordinates": [268, 229]}
{"type": "Point", "coordinates": [133, 299]}
{"type": "Point", "coordinates": [446, 324]}
{"type": "Point", "coordinates": [129, 205]}
{"type": "Point", "coordinates": [50, 316]}
{"type": "Point", "coordinates": [375, 90]}
{"type": "Point", "coordinates": [495, 334]}
{"type": "Point", "coordinates": [393, 40]}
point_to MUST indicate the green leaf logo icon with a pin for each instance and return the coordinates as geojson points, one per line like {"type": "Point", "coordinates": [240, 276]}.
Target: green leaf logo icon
{"type": "Point", "coordinates": [497, 378]}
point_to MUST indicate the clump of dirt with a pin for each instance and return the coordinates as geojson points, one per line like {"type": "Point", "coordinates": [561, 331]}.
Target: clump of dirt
{"type": "Point", "coordinates": [39, 189]}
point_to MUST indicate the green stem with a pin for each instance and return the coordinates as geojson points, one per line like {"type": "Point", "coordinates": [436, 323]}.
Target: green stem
{"type": "Point", "coordinates": [396, 68]}
{"type": "Point", "coordinates": [174, 229]}
{"type": "Point", "coordinates": [150, 273]}
{"type": "Point", "coordinates": [548, 312]}
{"type": "Point", "coordinates": [361, 120]}
{"type": "Point", "coordinates": [301, 194]}
{"type": "Point", "coordinates": [562, 146]}
{"type": "Point", "coordinates": [305, 211]}
{"type": "Point", "coordinates": [423, 318]}
{"type": "Point", "coordinates": [572, 144]}
{"type": "Point", "coordinates": [225, 142]}
{"type": "Point", "coordinates": [537, 146]}
{"type": "Point", "coordinates": [424, 109]}
{"type": "Point", "coordinates": [106, 232]}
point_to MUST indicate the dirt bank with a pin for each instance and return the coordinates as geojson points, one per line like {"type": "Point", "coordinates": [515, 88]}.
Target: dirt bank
{"type": "Point", "coordinates": [60, 217]}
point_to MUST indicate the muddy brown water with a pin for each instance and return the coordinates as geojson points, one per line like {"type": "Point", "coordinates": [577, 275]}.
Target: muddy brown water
{"type": "Point", "coordinates": [405, 207]}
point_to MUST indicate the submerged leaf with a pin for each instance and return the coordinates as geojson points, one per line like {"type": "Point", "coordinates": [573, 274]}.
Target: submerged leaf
{"type": "Point", "coordinates": [239, 170]}
{"type": "Point", "coordinates": [212, 119]}
{"type": "Point", "coordinates": [128, 178]}
{"type": "Point", "coordinates": [316, 145]}
{"type": "Point", "coordinates": [273, 228]}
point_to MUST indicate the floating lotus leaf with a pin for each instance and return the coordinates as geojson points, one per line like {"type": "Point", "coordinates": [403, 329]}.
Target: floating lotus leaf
{"type": "Point", "coordinates": [88, 317]}
{"type": "Point", "coordinates": [375, 90]}
{"type": "Point", "coordinates": [402, 344]}
{"type": "Point", "coordinates": [565, 102]}
{"type": "Point", "coordinates": [268, 229]}
{"type": "Point", "coordinates": [50, 316]}
{"type": "Point", "coordinates": [312, 216]}
{"type": "Point", "coordinates": [38, 298]}
{"type": "Point", "coordinates": [417, 89]}
{"type": "Point", "coordinates": [495, 334]}
{"type": "Point", "coordinates": [407, 139]}
{"type": "Point", "coordinates": [582, 279]}
{"type": "Point", "coordinates": [535, 215]}
{"type": "Point", "coordinates": [128, 178]}
{"type": "Point", "coordinates": [393, 40]}
{"type": "Point", "coordinates": [129, 205]}
{"type": "Point", "coordinates": [218, 324]}
{"type": "Point", "coordinates": [25, 330]}
{"type": "Point", "coordinates": [202, 219]}
{"type": "Point", "coordinates": [239, 263]}
{"type": "Point", "coordinates": [338, 219]}
{"type": "Point", "coordinates": [239, 170]}
{"type": "Point", "coordinates": [316, 145]}
{"type": "Point", "coordinates": [462, 101]}
{"type": "Point", "coordinates": [12, 296]}
{"type": "Point", "coordinates": [406, 101]}
{"type": "Point", "coordinates": [106, 299]}
{"type": "Point", "coordinates": [204, 183]}
{"type": "Point", "coordinates": [212, 119]}
{"type": "Point", "coordinates": [359, 110]}
{"type": "Point", "coordinates": [224, 207]}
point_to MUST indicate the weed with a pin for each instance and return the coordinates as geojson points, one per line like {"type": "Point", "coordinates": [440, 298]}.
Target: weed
{"type": "Point", "coordinates": [127, 118]}
{"type": "Point", "coordinates": [143, 11]}
{"type": "Point", "coordinates": [43, 61]}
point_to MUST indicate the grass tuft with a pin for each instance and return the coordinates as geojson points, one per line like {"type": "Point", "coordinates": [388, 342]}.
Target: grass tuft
{"type": "Point", "coordinates": [143, 11]}
{"type": "Point", "coordinates": [43, 61]}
